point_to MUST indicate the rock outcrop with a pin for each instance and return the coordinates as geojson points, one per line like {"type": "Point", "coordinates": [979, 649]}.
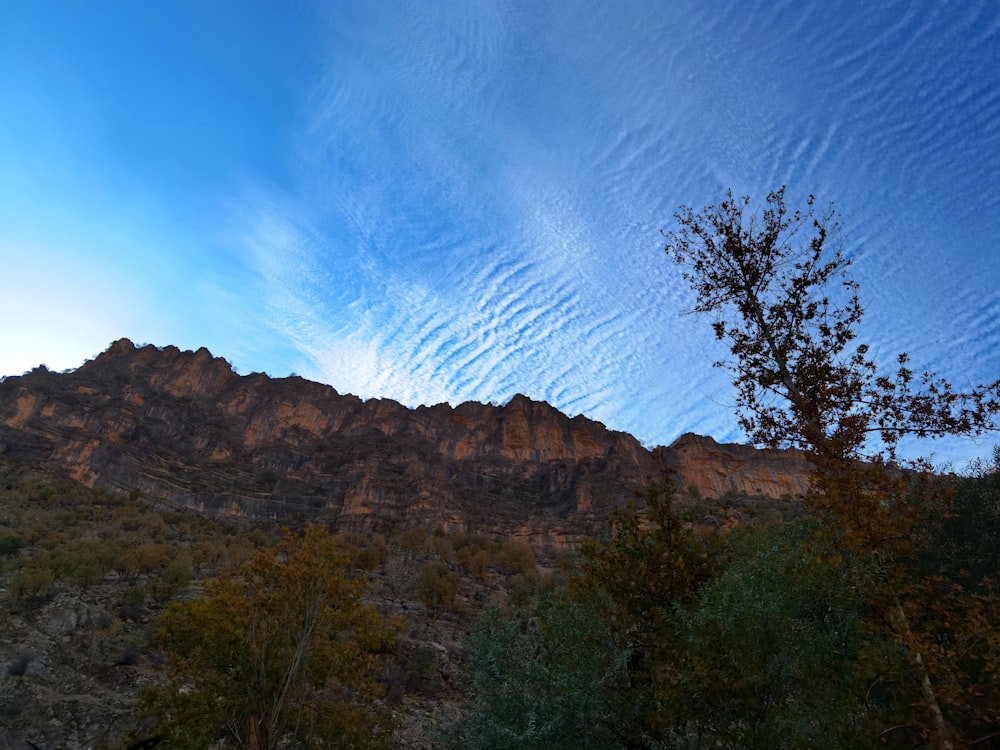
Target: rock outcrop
{"type": "Point", "coordinates": [183, 429]}
{"type": "Point", "coordinates": [714, 470]}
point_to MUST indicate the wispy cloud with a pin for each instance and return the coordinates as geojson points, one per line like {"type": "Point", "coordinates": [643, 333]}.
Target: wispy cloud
{"type": "Point", "coordinates": [480, 188]}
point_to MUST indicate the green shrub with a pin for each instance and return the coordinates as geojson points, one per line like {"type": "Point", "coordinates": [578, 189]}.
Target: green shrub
{"type": "Point", "coordinates": [525, 586]}
{"type": "Point", "coordinates": [420, 669]}
{"type": "Point", "coordinates": [10, 544]}
{"type": "Point", "coordinates": [79, 563]}
{"type": "Point", "coordinates": [555, 680]}
{"type": "Point", "coordinates": [135, 596]}
{"type": "Point", "coordinates": [174, 578]}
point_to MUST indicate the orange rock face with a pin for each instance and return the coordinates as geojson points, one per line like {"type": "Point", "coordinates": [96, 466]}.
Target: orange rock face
{"type": "Point", "coordinates": [185, 429]}
{"type": "Point", "coordinates": [714, 470]}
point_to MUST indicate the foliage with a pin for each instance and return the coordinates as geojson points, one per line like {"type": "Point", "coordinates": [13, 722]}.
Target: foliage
{"type": "Point", "coordinates": [281, 653]}
{"type": "Point", "coordinates": [756, 639]}
{"type": "Point", "coordinates": [420, 668]}
{"type": "Point", "coordinates": [412, 540]}
{"type": "Point", "coordinates": [554, 680]}
{"type": "Point", "coordinates": [10, 544]}
{"type": "Point", "coordinates": [800, 379]}
{"type": "Point", "coordinates": [778, 286]}
{"type": "Point", "coordinates": [959, 571]}
{"type": "Point", "coordinates": [666, 638]}
{"type": "Point", "coordinates": [475, 560]}
{"type": "Point", "coordinates": [653, 563]}
{"type": "Point", "coordinates": [515, 557]}
{"type": "Point", "coordinates": [33, 582]}
{"type": "Point", "coordinates": [776, 652]}
{"type": "Point", "coordinates": [640, 582]}
{"type": "Point", "coordinates": [437, 585]}
{"type": "Point", "coordinates": [965, 546]}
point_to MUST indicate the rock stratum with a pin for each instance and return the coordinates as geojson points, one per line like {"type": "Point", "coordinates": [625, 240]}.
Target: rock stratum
{"type": "Point", "coordinates": [183, 429]}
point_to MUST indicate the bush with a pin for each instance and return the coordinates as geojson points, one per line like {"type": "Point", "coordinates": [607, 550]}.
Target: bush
{"type": "Point", "coordinates": [174, 578]}
{"type": "Point", "coordinates": [79, 563]}
{"type": "Point", "coordinates": [437, 585]}
{"type": "Point", "coordinates": [778, 645]}
{"type": "Point", "coordinates": [475, 560]}
{"type": "Point", "coordinates": [441, 546]}
{"type": "Point", "coordinates": [205, 555]}
{"type": "Point", "coordinates": [525, 586]}
{"type": "Point", "coordinates": [516, 557]}
{"type": "Point", "coordinates": [153, 558]}
{"type": "Point", "coordinates": [371, 555]}
{"type": "Point", "coordinates": [33, 582]}
{"type": "Point", "coordinates": [555, 681]}
{"type": "Point", "coordinates": [10, 544]}
{"type": "Point", "coordinates": [413, 540]}
{"type": "Point", "coordinates": [420, 668]}
{"type": "Point", "coordinates": [281, 653]}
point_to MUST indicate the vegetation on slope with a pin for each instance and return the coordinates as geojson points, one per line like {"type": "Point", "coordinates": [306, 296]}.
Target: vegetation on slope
{"type": "Point", "coordinates": [876, 621]}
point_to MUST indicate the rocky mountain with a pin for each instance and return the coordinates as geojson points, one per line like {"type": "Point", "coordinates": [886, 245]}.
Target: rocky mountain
{"type": "Point", "coordinates": [100, 466]}
{"type": "Point", "coordinates": [183, 429]}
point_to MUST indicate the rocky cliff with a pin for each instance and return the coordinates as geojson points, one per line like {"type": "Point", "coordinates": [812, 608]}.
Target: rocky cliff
{"type": "Point", "coordinates": [182, 428]}
{"type": "Point", "coordinates": [704, 468]}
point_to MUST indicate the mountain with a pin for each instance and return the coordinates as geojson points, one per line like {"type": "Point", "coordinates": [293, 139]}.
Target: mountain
{"type": "Point", "coordinates": [182, 428]}
{"type": "Point", "coordinates": [94, 461]}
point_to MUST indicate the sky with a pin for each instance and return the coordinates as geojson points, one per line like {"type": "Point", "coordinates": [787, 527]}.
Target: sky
{"type": "Point", "coordinates": [454, 200]}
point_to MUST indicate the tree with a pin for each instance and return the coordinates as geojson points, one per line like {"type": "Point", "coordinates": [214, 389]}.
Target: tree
{"type": "Point", "coordinates": [578, 670]}
{"type": "Point", "coordinates": [640, 582]}
{"type": "Point", "coordinates": [778, 286]}
{"type": "Point", "coordinates": [965, 546]}
{"type": "Point", "coordinates": [553, 679]}
{"type": "Point", "coordinates": [653, 563]}
{"type": "Point", "coordinates": [777, 652]}
{"type": "Point", "coordinates": [785, 304]}
{"type": "Point", "coordinates": [280, 653]}
{"type": "Point", "coordinates": [960, 572]}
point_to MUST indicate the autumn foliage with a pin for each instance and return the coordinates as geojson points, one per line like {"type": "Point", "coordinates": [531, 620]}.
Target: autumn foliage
{"type": "Point", "coordinates": [281, 652]}
{"type": "Point", "coordinates": [778, 287]}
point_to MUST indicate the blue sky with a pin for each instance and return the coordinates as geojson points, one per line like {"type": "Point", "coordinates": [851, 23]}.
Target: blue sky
{"type": "Point", "coordinates": [444, 201]}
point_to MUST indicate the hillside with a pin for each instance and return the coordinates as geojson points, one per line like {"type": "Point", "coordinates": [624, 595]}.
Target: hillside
{"type": "Point", "coordinates": [130, 480]}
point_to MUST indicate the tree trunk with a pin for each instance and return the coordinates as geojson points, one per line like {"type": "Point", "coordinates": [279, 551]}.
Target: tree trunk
{"type": "Point", "coordinates": [259, 739]}
{"type": "Point", "coordinates": [941, 734]}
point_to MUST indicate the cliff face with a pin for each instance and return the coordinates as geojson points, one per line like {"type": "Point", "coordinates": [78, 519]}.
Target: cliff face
{"type": "Point", "coordinates": [714, 470]}
{"type": "Point", "coordinates": [183, 428]}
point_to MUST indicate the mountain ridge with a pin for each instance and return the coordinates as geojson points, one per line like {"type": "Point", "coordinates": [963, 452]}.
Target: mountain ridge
{"type": "Point", "coordinates": [184, 429]}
